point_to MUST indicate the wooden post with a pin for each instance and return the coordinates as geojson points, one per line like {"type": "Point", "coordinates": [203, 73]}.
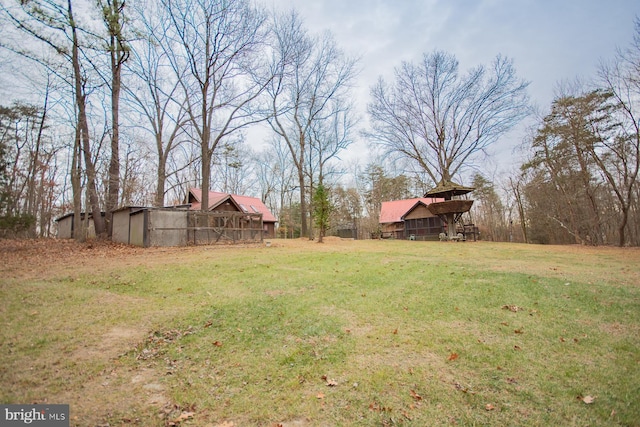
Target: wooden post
{"type": "Point", "coordinates": [451, 225]}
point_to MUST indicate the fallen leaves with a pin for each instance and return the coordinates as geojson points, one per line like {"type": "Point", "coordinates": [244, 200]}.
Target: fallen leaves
{"type": "Point", "coordinates": [512, 380]}
{"type": "Point", "coordinates": [575, 340]}
{"type": "Point", "coordinates": [185, 415]}
{"type": "Point", "coordinates": [463, 388]}
{"type": "Point", "coordinates": [376, 407]}
{"type": "Point", "coordinates": [489, 407]}
{"type": "Point", "coordinates": [157, 340]}
{"type": "Point", "coordinates": [516, 308]}
{"type": "Point", "coordinates": [174, 415]}
{"type": "Point", "coordinates": [452, 357]}
{"type": "Point", "coordinates": [415, 395]}
{"type": "Point", "coordinates": [587, 399]}
{"type": "Point", "coordinates": [329, 382]}
{"type": "Point", "coordinates": [33, 257]}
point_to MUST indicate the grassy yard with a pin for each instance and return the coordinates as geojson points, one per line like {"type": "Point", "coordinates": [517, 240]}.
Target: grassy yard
{"type": "Point", "coordinates": [370, 333]}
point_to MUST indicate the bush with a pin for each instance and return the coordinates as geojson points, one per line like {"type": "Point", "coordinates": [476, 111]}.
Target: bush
{"type": "Point", "coordinates": [15, 225]}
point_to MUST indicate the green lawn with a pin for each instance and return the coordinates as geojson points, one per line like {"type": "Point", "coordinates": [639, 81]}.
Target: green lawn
{"type": "Point", "coordinates": [341, 333]}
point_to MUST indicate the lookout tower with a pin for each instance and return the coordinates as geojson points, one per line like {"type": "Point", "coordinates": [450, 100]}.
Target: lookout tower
{"type": "Point", "coordinates": [453, 206]}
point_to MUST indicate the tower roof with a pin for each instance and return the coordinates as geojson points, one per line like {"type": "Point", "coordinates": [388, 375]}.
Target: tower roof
{"type": "Point", "coordinates": [450, 188]}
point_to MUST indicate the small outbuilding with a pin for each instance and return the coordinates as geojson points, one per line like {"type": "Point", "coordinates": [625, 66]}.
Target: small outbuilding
{"type": "Point", "coordinates": [245, 206]}
{"type": "Point", "coordinates": [151, 226]}
{"type": "Point", "coordinates": [65, 225]}
{"type": "Point", "coordinates": [230, 218]}
{"type": "Point", "coordinates": [410, 219]}
{"type": "Point", "coordinates": [122, 223]}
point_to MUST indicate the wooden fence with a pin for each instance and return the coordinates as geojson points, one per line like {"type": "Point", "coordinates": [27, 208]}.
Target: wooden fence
{"type": "Point", "coordinates": [208, 228]}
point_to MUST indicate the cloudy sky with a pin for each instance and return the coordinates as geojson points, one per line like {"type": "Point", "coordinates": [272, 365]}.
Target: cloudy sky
{"type": "Point", "coordinates": [549, 40]}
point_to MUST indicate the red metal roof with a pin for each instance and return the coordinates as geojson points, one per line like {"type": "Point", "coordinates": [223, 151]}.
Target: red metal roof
{"type": "Point", "coordinates": [395, 210]}
{"type": "Point", "coordinates": [246, 203]}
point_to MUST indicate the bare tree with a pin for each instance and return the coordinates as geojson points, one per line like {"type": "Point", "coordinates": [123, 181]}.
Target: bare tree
{"type": "Point", "coordinates": [621, 78]}
{"type": "Point", "coordinates": [54, 25]}
{"type": "Point", "coordinates": [217, 42]}
{"type": "Point", "coordinates": [267, 174]}
{"type": "Point", "coordinates": [515, 186]}
{"type": "Point", "coordinates": [26, 153]}
{"type": "Point", "coordinates": [489, 211]}
{"type": "Point", "coordinates": [135, 181]}
{"type": "Point", "coordinates": [347, 209]}
{"type": "Point", "coordinates": [233, 168]}
{"type": "Point", "coordinates": [311, 77]}
{"type": "Point", "coordinates": [329, 138]}
{"type": "Point", "coordinates": [155, 94]}
{"type": "Point", "coordinates": [276, 176]}
{"type": "Point", "coordinates": [113, 18]}
{"type": "Point", "coordinates": [441, 119]}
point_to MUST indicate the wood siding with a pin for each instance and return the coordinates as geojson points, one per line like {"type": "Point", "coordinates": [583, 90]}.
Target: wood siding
{"type": "Point", "coordinates": [420, 211]}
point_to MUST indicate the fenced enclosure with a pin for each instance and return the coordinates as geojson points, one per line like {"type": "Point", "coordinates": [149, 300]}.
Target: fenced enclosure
{"type": "Point", "coordinates": [208, 228]}
{"type": "Point", "coordinates": [180, 227]}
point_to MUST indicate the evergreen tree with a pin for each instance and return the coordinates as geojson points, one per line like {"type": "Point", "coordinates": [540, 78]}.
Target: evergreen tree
{"type": "Point", "coordinates": [321, 210]}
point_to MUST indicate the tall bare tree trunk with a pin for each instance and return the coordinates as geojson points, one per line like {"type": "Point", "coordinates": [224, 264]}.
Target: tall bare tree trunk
{"type": "Point", "coordinates": [204, 148]}
{"type": "Point", "coordinates": [515, 186]}
{"type": "Point", "coordinates": [161, 175]}
{"type": "Point", "coordinates": [114, 163]}
{"type": "Point", "coordinates": [80, 95]}
{"type": "Point", "coordinates": [32, 202]}
{"type": "Point", "coordinates": [76, 187]}
{"type": "Point", "coordinates": [206, 178]}
{"type": "Point", "coordinates": [118, 55]}
{"type": "Point", "coordinates": [304, 228]}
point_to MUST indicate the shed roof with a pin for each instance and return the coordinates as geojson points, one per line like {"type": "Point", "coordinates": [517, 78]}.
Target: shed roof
{"type": "Point", "coordinates": [394, 211]}
{"type": "Point", "coordinates": [71, 214]}
{"type": "Point", "coordinates": [244, 203]}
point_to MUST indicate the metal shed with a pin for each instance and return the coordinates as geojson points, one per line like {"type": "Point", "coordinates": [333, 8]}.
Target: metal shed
{"type": "Point", "coordinates": [155, 227]}
{"type": "Point", "coordinates": [65, 225]}
{"type": "Point", "coordinates": [121, 223]}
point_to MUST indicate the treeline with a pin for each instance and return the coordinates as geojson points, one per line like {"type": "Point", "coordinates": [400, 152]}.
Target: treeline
{"type": "Point", "coordinates": [579, 183]}
{"type": "Point", "coordinates": [132, 104]}
{"type": "Point", "coordinates": [148, 98]}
